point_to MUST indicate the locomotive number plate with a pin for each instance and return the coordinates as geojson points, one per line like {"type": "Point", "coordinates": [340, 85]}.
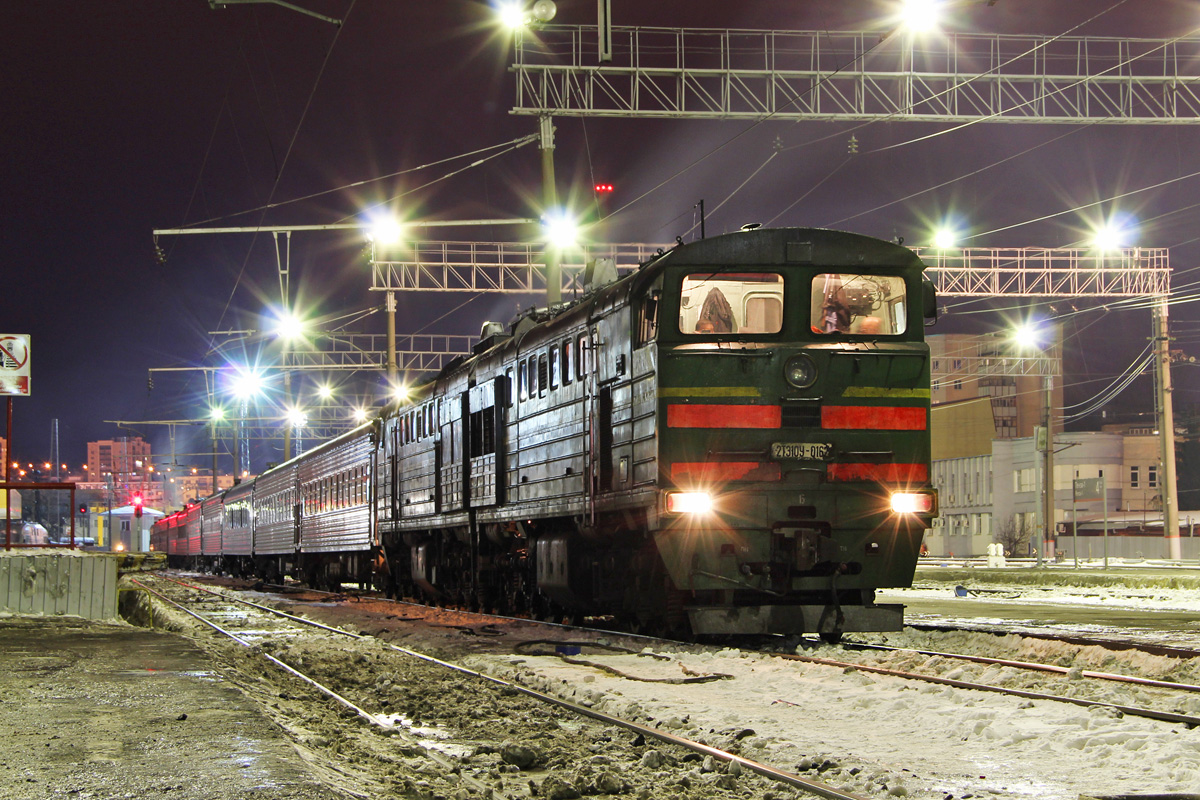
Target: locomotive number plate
{"type": "Point", "coordinates": [805, 451]}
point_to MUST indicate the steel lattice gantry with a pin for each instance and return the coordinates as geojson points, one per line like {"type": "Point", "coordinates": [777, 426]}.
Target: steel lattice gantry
{"type": "Point", "coordinates": [830, 75]}
{"type": "Point", "coordinates": [965, 272]}
{"type": "Point", "coordinates": [515, 268]}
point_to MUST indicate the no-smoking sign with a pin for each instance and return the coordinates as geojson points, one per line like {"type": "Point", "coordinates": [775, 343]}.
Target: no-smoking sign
{"type": "Point", "coordinates": [14, 364]}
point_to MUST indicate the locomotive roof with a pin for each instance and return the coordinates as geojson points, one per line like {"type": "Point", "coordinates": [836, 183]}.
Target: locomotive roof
{"type": "Point", "coordinates": [817, 246]}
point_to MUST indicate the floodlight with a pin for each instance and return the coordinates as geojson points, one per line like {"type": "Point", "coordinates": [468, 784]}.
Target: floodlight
{"type": "Point", "coordinates": [247, 384]}
{"type": "Point", "coordinates": [560, 228]}
{"type": "Point", "coordinates": [512, 14]}
{"type": "Point", "coordinates": [944, 238]}
{"type": "Point", "coordinates": [289, 326]}
{"type": "Point", "coordinates": [1027, 336]}
{"type": "Point", "coordinates": [920, 16]}
{"type": "Point", "coordinates": [384, 230]}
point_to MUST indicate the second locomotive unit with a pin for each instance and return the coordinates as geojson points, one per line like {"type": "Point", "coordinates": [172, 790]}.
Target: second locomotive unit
{"type": "Point", "coordinates": [732, 439]}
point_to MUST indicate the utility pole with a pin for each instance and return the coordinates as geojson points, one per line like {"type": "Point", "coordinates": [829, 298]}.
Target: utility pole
{"type": "Point", "coordinates": [550, 203]}
{"type": "Point", "coordinates": [1166, 431]}
{"type": "Point", "coordinates": [1048, 469]}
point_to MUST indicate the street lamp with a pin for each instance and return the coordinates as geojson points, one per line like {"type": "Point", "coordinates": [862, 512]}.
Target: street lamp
{"type": "Point", "coordinates": [1029, 337]}
{"type": "Point", "coordinates": [920, 16]}
{"type": "Point", "coordinates": [247, 385]}
{"type": "Point", "coordinates": [384, 231]}
{"type": "Point", "coordinates": [216, 415]}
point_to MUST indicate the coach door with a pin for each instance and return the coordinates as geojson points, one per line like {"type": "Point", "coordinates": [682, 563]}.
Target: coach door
{"type": "Point", "coordinates": [485, 415]}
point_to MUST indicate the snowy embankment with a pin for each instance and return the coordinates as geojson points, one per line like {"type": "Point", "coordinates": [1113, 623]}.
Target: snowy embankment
{"type": "Point", "coordinates": [884, 736]}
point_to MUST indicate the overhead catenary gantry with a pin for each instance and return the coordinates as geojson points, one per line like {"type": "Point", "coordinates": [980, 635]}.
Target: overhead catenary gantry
{"type": "Point", "coordinates": [831, 75]}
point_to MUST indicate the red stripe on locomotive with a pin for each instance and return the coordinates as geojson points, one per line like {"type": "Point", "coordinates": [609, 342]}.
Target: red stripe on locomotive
{"type": "Point", "coordinates": [879, 418]}
{"type": "Point", "coordinates": [724, 415]}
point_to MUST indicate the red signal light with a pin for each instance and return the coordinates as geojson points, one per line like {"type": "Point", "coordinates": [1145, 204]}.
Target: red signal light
{"type": "Point", "coordinates": [604, 188]}
{"type": "Point", "coordinates": [137, 505]}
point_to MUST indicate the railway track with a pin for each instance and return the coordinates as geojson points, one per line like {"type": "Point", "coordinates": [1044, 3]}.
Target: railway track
{"type": "Point", "coordinates": [824, 721]}
{"type": "Point", "coordinates": [259, 629]}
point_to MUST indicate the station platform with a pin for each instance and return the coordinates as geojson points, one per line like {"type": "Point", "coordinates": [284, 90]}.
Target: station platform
{"type": "Point", "coordinates": [99, 709]}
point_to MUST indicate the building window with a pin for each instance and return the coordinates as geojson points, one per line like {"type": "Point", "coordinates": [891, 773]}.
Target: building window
{"type": "Point", "coordinates": [1133, 477]}
{"type": "Point", "coordinates": [1152, 476]}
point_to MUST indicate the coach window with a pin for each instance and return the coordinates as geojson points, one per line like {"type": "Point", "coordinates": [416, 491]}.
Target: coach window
{"type": "Point", "coordinates": [542, 375]}
{"type": "Point", "coordinates": [533, 376]}
{"type": "Point", "coordinates": [566, 361]}
{"type": "Point", "coordinates": [508, 375]}
{"type": "Point", "coordinates": [858, 305]}
{"type": "Point", "coordinates": [648, 325]}
{"type": "Point", "coordinates": [553, 367]}
{"type": "Point", "coordinates": [581, 356]}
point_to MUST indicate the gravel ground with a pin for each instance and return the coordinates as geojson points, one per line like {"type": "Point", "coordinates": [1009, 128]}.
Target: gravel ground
{"type": "Point", "coordinates": [440, 734]}
{"type": "Point", "coordinates": [107, 710]}
{"type": "Point", "coordinates": [431, 733]}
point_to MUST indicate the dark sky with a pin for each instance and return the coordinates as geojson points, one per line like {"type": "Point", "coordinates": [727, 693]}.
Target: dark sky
{"type": "Point", "coordinates": [125, 116]}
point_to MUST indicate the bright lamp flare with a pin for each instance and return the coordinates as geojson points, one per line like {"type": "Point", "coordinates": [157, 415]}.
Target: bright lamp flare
{"type": "Point", "coordinates": [297, 418]}
{"type": "Point", "coordinates": [512, 14]}
{"type": "Point", "coordinates": [912, 503]}
{"type": "Point", "coordinates": [1108, 238]}
{"type": "Point", "coordinates": [385, 230]}
{"type": "Point", "coordinates": [921, 15]}
{"type": "Point", "coordinates": [689, 502]}
{"type": "Point", "coordinates": [248, 384]}
{"type": "Point", "coordinates": [561, 230]}
{"type": "Point", "coordinates": [289, 326]}
{"type": "Point", "coordinates": [944, 238]}
{"type": "Point", "coordinates": [1027, 337]}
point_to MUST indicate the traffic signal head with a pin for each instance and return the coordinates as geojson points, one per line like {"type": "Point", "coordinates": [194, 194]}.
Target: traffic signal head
{"type": "Point", "coordinates": [83, 508]}
{"type": "Point", "coordinates": [137, 505]}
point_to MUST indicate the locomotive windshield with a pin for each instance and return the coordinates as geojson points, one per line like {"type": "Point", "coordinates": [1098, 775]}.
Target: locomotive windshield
{"type": "Point", "coordinates": [866, 305]}
{"type": "Point", "coordinates": [744, 302]}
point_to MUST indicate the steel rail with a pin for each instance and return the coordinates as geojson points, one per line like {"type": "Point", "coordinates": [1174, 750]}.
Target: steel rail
{"type": "Point", "coordinates": [1032, 665]}
{"type": "Point", "coordinates": [374, 720]}
{"type": "Point", "coordinates": [1134, 711]}
{"type": "Point", "coordinates": [769, 772]}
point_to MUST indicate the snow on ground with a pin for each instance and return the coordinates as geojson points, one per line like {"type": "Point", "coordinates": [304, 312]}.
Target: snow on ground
{"type": "Point", "coordinates": [883, 736]}
{"type": "Point", "coordinates": [888, 736]}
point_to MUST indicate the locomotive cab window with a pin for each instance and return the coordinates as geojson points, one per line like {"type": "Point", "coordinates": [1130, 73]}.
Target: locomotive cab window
{"type": "Point", "coordinates": [858, 305]}
{"type": "Point", "coordinates": [744, 303]}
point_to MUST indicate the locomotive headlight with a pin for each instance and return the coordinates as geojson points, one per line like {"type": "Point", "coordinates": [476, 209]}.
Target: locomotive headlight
{"type": "Point", "coordinates": [913, 503]}
{"type": "Point", "coordinates": [689, 503]}
{"type": "Point", "coordinates": [800, 371]}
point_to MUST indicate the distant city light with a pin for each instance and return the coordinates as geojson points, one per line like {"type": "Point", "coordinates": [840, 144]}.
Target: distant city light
{"type": "Point", "coordinates": [216, 414]}
{"type": "Point", "coordinates": [360, 415]}
{"type": "Point", "coordinates": [325, 391]}
{"type": "Point", "coordinates": [400, 392]}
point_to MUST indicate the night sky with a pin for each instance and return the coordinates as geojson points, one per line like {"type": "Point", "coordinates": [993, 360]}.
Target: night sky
{"type": "Point", "coordinates": [125, 116]}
